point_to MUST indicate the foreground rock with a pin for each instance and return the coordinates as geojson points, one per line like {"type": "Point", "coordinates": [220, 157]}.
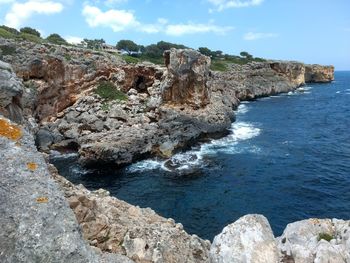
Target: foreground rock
{"type": "Point", "coordinates": [249, 239]}
{"type": "Point", "coordinates": [316, 240]}
{"type": "Point", "coordinates": [115, 226]}
{"type": "Point", "coordinates": [36, 222]}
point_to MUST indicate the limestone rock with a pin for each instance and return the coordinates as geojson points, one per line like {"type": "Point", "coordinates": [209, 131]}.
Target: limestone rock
{"type": "Point", "coordinates": [36, 222]}
{"type": "Point", "coordinates": [318, 73]}
{"type": "Point", "coordinates": [139, 233]}
{"type": "Point", "coordinates": [186, 80]}
{"type": "Point", "coordinates": [304, 241]}
{"type": "Point", "coordinates": [248, 240]}
{"type": "Point", "coordinates": [11, 90]}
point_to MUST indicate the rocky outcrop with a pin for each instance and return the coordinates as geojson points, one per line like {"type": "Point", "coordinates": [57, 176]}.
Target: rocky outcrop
{"type": "Point", "coordinates": [316, 240]}
{"type": "Point", "coordinates": [318, 73]}
{"type": "Point", "coordinates": [11, 90]}
{"type": "Point", "coordinates": [36, 222]}
{"type": "Point", "coordinates": [139, 233]}
{"type": "Point", "coordinates": [249, 239]}
{"type": "Point", "coordinates": [186, 79]}
{"type": "Point", "coordinates": [293, 71]}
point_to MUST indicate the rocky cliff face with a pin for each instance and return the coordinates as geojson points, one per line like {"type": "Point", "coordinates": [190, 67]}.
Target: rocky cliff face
{"type": "Point", "coordinates": [186, 80]}
{"type": "Point", "coordinates": [318, 73]}
{"type": "Point", "coordinates": [166, 108]}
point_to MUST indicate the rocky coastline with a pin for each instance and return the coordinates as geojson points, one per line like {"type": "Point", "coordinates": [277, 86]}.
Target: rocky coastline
{"type": "Point", "coordinates": [47, 95]}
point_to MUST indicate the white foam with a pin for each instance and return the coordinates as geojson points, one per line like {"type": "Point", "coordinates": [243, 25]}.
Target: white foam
{"type": "Point", "coordinates": [338, 92]}
{"type": "Point", "coordinates": [145, 165]}
{"type": "Point", "coordinates": [242, 108]}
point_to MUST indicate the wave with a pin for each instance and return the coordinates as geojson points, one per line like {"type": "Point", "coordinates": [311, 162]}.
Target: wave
{"type": "Point", "coordinates": [240, 131]}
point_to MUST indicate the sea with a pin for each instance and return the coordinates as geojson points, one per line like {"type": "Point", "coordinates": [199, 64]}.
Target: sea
{"type": "Point", "coordinates": [287, 157]}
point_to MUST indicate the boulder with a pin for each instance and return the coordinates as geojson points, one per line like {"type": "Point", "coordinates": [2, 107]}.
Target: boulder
{"type": "Point", "coordinates": [316, 240]}
{"type": "Point", "coordinates": [186, 80]}
{"type": "Point", "coordinates": [248, 240]}
{"type": "Point", "coordinates": [11, 90]}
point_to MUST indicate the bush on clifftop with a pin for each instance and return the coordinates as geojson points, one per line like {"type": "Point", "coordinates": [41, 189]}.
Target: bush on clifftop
{"type": "Point", "coordinates": [56, 39]}
{"type": "Point", "coordinates": [31, 31]}
{"type": "Point", "coordinates": [108, 91]}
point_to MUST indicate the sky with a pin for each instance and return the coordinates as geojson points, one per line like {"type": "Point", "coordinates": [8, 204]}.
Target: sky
{"type": "Point", "coordinates": [312, 31]}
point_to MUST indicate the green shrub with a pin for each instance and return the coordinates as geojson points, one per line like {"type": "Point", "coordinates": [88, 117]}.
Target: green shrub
{"type": "Point", "coordinates": [67, 56]}
{"type": "Point", "coordinates": [6, 34]}
{"type": "Point", "coordinates": [29, 30]}
{"type": "Point", "coordinates": [325, 236]}
{"type": "Point", "coordinates": [109, 91]}
{"type": "Point", "coordinates": [7, 50]}
{"type": "Point", "coordinates": [30, 37]}
{"type": "Point", "coordinates": [56, 39]}
{"type": "Point", "coordinates": [218, 66]}
{"type": "Point", "coordinates": [10, 30]}
{"type": "Point", "coordinates": [130, 59]}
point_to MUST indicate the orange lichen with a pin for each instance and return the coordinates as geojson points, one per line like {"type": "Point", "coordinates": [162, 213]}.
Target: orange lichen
{"type": "Point", "coordinates": [42, 200]}
{"type": "Point", "coordinates": [10, 131]}
{"type": "Point", "coordinates": [32, 166]}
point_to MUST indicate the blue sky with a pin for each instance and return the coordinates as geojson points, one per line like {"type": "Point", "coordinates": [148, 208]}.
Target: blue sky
{"type": "Point", "coordinates": [313, 31]}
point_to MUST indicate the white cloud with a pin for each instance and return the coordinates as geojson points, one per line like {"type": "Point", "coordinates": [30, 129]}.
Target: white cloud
{"type": "Point", "coordinates": [20, 12]}
{"type": "Point", "coordinates": [118, 20]}
{"type": "Point", "coordinates": [190, 28]}
{"type": "Point", "coordinates": [225, 4]}
{"type": "Point", "coordinates": [73, 39]}
{"type": "Point", "coordinates": [254, 36]}
{"type": "Point", "coordinates": [6, 1]}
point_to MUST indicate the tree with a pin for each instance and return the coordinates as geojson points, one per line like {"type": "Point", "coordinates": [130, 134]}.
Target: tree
{"type": "Point", "coordinates": [205, 51]}
{"type": "Point", "coordinates": [246, 55]}
{"type": "Point", "coordinates": [10, 29]}
{"type": "Point", "coordinates": [29, 30]}
{"type": "Point", "coordinates": [56, 39]}
{"type": "Point", "coordinates": [128, 46]}
{"type": "Point", "coordinates": [94, 43]}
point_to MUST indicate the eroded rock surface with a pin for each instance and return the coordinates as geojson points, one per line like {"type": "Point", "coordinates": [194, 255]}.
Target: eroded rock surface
{"type": "Point", "coordinates": [318, 73]}
{"type": "Point", "coordinates": [248, 240]}
{"type": "Point", "coordinates": [139, 233]}
{"type": "Point", "coordinates": [36, 222]}
{"type": "Point", "coordinates": [187, 76]}
{"type": "Point", "coordinates": [316, 240]}
{"type": "Point", "coordinates": [11, 90]}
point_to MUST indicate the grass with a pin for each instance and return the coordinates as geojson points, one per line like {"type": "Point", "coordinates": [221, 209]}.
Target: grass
{"type": "Point", "coordinates": [130, 59]}
{"type": "Point", "coordinates": [5, 34]}
{"type": "Point", "coordinates": [325, 236]}
{"type": "Point", "coordinates": [31, 38]}
{"type": "Point", "coordinates": [141, 58]}
{"type": "Point", "coordinates": [109, 91]}
{"type": "Point", "coordinates": [219, 65]}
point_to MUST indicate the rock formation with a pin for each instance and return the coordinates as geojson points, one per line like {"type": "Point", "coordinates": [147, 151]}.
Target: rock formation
{"type": "Point", "coordinates": [139, 233]}
{"type": "Point", "coordinates": [249, 239]}
{"type": "Point", "coordinates": [186, 80]}
{"type": "Point", "coordinates": [11, 90]}
{"type": "Point", "coordinates": [318, 73]}
{"type": "Point", "coordinates": [36, 222]}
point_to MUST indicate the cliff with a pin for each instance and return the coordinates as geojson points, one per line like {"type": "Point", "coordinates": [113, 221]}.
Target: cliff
{"type": "Point", "coordinates": [163, 110]}
{"type": "Point", "coordinates": [317, 73]}
{"type": "Point", "coordinates": [46, 218]}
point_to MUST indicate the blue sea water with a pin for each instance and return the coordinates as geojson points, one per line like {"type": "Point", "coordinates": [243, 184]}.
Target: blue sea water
{"type": "Point", "coordinates": [287, 157]}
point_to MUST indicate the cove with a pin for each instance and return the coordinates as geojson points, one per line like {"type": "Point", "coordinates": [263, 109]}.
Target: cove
{"type": "Point", "coordinates": [287, 157]}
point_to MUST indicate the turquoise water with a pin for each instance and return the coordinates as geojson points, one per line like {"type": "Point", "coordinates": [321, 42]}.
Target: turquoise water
{"type": "Point", "coordinates": [287, 157]}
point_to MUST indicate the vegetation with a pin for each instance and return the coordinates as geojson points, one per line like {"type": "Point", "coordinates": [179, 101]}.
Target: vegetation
{"type": "Point", "coordinates": [56, 39]}
{"type": "Point", "coordinates": [31, 31]}
{"type": "Point", "coordinates": [325, 236]}
{"type": "Point", "coordinates": [93, 43]}
{"type": "Point", "coordinates": [10, 30]}
{"type": "Point", "coordinates": [128, 46]}
{"type": "Point", "coordinates": [108, 91]}
{"type": "Point", "coordinates": [136, 53]}
{"type": "Point", "coordinates": [7, 50]}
